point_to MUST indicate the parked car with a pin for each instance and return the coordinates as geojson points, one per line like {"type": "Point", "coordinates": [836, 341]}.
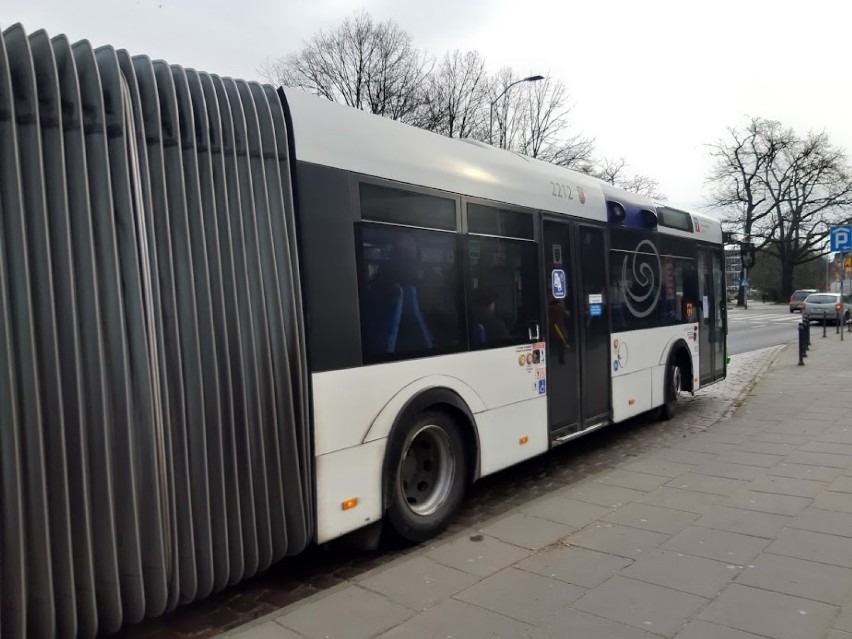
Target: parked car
{"type": "Point", "coordinates": [798, 297]}
{"type": "Point", "coordinates": [818, 305]}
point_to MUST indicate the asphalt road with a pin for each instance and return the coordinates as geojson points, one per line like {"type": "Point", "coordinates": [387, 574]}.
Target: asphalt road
{"type": "Point", "coordinates": [761, 326]}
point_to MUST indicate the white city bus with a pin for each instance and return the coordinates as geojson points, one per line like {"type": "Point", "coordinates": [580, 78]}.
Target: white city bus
{"type": "Point", "coordinates": [236, 321]}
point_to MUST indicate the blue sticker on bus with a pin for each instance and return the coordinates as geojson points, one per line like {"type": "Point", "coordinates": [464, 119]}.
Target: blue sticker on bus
{"type": "Point", "coordinates": [557, 279]}
{"type": "Point", "coordinates": [542, 386]}
{"type": "Point", "coordinates": [595, 310]}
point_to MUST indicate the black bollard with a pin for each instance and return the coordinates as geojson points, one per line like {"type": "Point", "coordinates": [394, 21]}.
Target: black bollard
{"type": "Point", "coordinates": [801, 344]}
{"type": "Point", "coordinates": [837, 329]}
{"type": "Point", "coordinates": [824, 315]}
{"type": "Point", "coordinates": [807, 336]}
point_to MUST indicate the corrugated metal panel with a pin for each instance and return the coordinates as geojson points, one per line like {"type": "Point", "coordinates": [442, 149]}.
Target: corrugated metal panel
{"type": "Point", "coordinates": [153, 388]}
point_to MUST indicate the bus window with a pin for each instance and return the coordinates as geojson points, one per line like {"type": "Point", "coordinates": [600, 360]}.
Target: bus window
{"type": "Point", "coordinates": [503, 290]}
{"type": "Point", "coordinates": [410, 297]}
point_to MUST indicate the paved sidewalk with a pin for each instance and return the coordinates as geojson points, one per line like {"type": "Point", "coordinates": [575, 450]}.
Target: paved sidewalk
{"type": "Point", "coordinates": [739, 531]}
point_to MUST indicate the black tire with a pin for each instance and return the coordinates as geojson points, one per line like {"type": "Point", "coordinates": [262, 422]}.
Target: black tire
{"type": "Point", "coordinates": [426, 476]}
{"type": "Point", "coordinates": [673, 386]}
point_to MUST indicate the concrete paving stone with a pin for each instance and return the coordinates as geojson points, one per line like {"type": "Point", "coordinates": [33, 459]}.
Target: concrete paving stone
{"type": "Point", "coordinates": [580, 566]}
{"type": "Point", "coordinates": [813, 546]}
{"type": "Point", "coordinates": [739, 427]}
{"type": "Point", "coordinates": [762, 460]}
{"type": "Point", "coordinates": [719, 437]}
{"type": "Point", "coordinates": [844, 619]}
{"type": "Point", "coordinates": [602, 494]}
{"type": "Point", "coordinates": [841, 502]}
{"type": "Point", "coordinates": [268, 630]}
{"type": "Point", "coordinates": [841, 485]}
{"type": "Point", "coordinates": [707, 484]}
{"type": "Point", "coordinates": [630, 479]}
{"type": "Point", "coordinates": [768, 502]}
{"type": "Point", "coordinates": [657, 467]}
{"type": "Point", "coordinates": [830, 522]}
{"type": "Point", "coordinates": [642, 605]}
{"type": "Point", "coordinates": [418, 583]}
{"type": "Point", "coordinates": [575, 624]}
{"type": "Point", "coordinates": [698, 629]}
{"type": "Point", "coordinates": [689, 500]}
{"type": "Point", "coordinates": [522, 595]}
{"type": "Point", "coordinates": [787, 486]}
{"type": "Point", "coordinates": [703, 446]}
{"type": "Point", "coordinates": [648, 517]}
{"type": "Point", "coordinates": [819, 459]}
{"type": "Point", "coordinates": [838, 634]}
{"type": "Point", "coordinates": [679, 571]}
{"type": "Point", "coordinates": [767, 448]}
{"type": "Point", "coordinates": [835, 448]}
{"type": "Point", "coordinates": [477, 554]}
{"type": "Point", "coordinates": [623, 541]}
{"type": "Point", "coordinates": [840, 434]}
{"type": "Point", "coordinates": [349, 614]}
{"type": "Point", "coordinates": [526, 531]}
{"type": "Point", "coordinates": [720, 545]}
{"type": "Point", "coordinates": [453, 619]}
{"type": "Point", "coordinates": [746, 522]}
{"type": "Point", "coordinates": [796, 427]}
{"type": "Point", "coordinates": [797, 577]}
{"type": "Point", "coordinates": [802, 471]}
{"type": "Point", "coordinates": [770, 614]}
{"type": "Point", "coordinates": [678, 456]}
{"type": "Point", "coordinates": [566, 511]}
{"type": "Point", "coordinates": [778, 438]}
{"type": "Point", "coordinates": [730, 471]}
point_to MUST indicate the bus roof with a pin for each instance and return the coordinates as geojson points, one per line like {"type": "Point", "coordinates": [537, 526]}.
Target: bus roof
{"type": "Point", "coordinates": [335, 135]}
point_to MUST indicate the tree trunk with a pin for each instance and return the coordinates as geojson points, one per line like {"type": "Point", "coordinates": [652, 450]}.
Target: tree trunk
{"type": "Point", "coordinates": [786, 279]}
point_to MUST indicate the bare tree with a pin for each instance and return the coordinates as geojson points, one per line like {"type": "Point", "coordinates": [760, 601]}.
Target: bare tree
{"type": "Point", "coordinates": [365, 64]}
{"type": "Point", "coordinates": [615, 172]}
{"type": "Point", "coordinates": [809, 185]}
{"type": "Point", "coordinates": [781, 190]}
{"type": "Point", "coordinates": [533, 119]}
{"type": "Point", "coordinates": [456, 96]}
{"type": "Point", "coordinates": [545, 126]}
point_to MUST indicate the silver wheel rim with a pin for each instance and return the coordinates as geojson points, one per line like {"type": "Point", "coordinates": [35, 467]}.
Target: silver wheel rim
{"type": "Point", "coordinates": [427, 470]}
{"type": "Point", "coordinates": [676, 382]}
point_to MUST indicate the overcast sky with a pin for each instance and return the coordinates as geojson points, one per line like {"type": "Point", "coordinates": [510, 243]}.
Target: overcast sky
{"type": "Point", "coordinates": [653, 81]}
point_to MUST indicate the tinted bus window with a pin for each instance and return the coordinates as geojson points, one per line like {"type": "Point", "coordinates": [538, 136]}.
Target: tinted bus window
{"type": "Point", "coordinates": [410, 292]}
{"type": "Point", "coordinates": [503, 290]}
{"type": "Point", "coordinates": [384, 204]}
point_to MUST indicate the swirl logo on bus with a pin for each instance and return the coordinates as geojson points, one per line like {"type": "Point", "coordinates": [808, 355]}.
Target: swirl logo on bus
{"type": "Point", "coordinates": [641, 285]}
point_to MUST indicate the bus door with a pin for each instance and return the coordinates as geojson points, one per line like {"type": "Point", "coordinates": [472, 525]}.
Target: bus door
{"type": "Point", "coordinates": [577, 332]}
{"type": "Point", "coordinates": [712, 351]}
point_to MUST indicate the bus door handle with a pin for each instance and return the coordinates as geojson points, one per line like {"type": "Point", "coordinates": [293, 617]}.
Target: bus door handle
{"type": "Point", "coordinates": [533, 331]}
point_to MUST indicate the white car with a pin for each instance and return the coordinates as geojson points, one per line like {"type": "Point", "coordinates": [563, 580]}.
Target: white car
{"type": "Point", "coordinates": [828, 305]}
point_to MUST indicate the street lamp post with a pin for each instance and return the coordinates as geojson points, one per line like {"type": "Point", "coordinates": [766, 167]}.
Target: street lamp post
{"type": "Point", "coordinates": [532, 78]}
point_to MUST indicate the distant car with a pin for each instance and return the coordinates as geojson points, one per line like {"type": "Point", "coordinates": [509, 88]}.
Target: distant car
{"type": "Point", "coordinates": [798, 297]}
{"type": "Point", "coordinates": [818, 305]}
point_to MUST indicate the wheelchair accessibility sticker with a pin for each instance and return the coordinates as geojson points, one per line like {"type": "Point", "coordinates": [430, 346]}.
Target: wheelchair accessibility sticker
{"type": "Point", "coordinates": [542, 386]}
{"type": "Point", "coordinates": [558, 285]}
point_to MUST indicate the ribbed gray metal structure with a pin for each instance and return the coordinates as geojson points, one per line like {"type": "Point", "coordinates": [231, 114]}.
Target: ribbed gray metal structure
{"type": "Point", "coordinates": [154, 442]}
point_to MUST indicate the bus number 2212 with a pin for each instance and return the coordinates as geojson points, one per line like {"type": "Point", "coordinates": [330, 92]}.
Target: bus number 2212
{"type": "Point", "coordinates": [562, 191]}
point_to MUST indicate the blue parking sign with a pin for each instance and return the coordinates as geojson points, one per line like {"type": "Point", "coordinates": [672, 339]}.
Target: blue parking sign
{"type": "Point", "coordinates": [558, 284]}
{"type": "Point", "coordinates": [841, 238]}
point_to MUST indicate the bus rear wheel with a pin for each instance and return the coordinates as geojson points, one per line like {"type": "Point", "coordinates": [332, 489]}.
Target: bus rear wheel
{"type": "Point", "coordinates": [673, 387]}
{"type": "Point", "coordinates": [427, 476]}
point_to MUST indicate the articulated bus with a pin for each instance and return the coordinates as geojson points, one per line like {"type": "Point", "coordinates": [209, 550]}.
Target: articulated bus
{"type": "Point", "coordinates": [236, 321]}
